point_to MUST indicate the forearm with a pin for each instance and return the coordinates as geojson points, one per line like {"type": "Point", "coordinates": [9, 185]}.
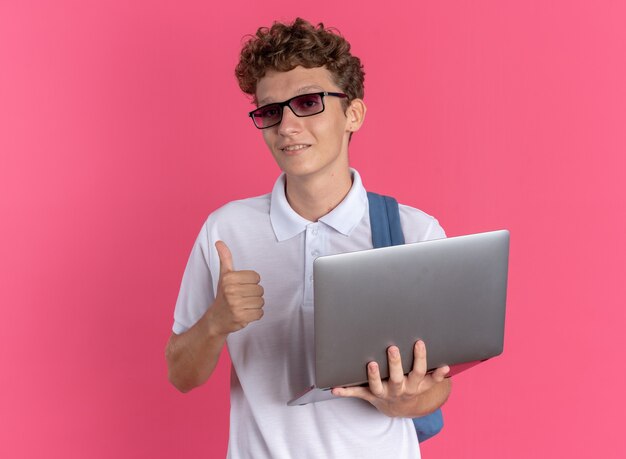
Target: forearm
{"type": "Point", "coordinates": [192, 356]}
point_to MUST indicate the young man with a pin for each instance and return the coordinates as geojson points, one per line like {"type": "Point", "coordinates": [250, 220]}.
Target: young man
{"type": "Point", "coordinates": [308, 90]}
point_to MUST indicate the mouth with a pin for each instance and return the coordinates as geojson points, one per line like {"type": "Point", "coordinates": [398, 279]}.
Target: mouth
{"type": "Point", "coordinates": [294, 148]}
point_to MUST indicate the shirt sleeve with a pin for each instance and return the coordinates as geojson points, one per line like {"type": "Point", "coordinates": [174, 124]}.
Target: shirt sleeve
{"type": "Point", "coordinates": [418, 226]}
{"type": "Point", "coordinates": [196, 290]}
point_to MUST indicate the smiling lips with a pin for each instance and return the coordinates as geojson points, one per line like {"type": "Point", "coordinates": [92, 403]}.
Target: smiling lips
{"type": "Point", "coordinates": [294, 148]}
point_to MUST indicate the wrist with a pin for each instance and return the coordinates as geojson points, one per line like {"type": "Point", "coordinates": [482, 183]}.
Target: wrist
{"type": "Point", "coordinates": [211, 325]}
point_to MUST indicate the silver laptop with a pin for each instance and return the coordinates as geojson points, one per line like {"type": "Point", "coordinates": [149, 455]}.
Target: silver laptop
{"type": "Point", "coordinates": [451, 293]}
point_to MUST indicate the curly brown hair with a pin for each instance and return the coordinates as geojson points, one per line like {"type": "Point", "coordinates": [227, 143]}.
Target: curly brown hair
{"type": "Point", "coordinates": [286, 46]}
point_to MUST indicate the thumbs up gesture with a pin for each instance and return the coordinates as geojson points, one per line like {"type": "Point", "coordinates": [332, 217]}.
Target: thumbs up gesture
{"type": "Point", "coordinates": [239, 297]}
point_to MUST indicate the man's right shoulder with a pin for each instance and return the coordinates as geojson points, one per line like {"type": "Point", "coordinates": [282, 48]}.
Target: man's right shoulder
{"type": "Point", "coordinates": [241, 211]}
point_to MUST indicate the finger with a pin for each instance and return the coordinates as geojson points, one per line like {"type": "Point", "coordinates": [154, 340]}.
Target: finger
{"type": "Point", "coordinates": [245, 276]}
{"type": "Point", "coordinates": [237, 301]}
{"type": "Point", "coordinates": [253, 314]}
{"type": "Point", "coordinates": [252, 290]}
{"type": "Point", "coordinates": [235, 288]}
{"type": "Point", "coordinates": [419, 363]}
{"type": "Point", "coordinates": [252, 303]}
{"type": "Point", "coordinates": [440, 373]}
{"type": "Point", "coordinates": [357, 392]}
{"type": "Point", "coordinates": [396, 373]}
{"type": "Point", "coordinates": [226, 258]}
{"type": "Point", "coordinates": [373, 378]}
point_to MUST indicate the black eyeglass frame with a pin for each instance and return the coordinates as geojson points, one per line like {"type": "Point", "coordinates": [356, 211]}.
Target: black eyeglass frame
{"type": "Point", "coordinates": [287, 103]}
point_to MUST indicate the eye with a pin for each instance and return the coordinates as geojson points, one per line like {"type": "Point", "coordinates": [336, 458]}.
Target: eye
{"type": "Point", "coordinates": [307, 103]}
{"type": "Point", "coordinates": [271, 111]}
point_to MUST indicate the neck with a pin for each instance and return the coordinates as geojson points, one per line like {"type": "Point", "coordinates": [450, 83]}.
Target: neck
{"type": "Point", "coordinates": [312, 198]}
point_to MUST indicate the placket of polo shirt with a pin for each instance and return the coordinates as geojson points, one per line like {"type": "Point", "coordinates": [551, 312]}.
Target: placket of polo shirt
{"type": "Point", "coordinates": [313, 248]}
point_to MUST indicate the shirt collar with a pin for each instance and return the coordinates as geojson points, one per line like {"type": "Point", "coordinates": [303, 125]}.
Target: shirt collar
{"type": "Point", "coordinates": [343, 218]}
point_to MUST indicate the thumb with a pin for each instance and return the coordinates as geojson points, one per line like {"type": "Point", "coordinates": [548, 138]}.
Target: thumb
{"type": "Point", "coordinates": [226, 258]}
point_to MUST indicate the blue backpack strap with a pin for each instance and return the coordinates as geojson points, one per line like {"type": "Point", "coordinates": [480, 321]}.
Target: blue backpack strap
{"type": "Point", "coordinates": [429, 425]}
{"type": "Point", "coordinates": [384, 220]}
{"type": "Point", "coordinates": [387, 231]}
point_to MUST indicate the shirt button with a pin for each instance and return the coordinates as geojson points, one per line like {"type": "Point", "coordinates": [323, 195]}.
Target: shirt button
{"type": "Point", "coordinates": [314, 232]}
{"type": "Point", "coordinates": [315, 253]}
{"type": "Point", "coordinates": [311, 278]}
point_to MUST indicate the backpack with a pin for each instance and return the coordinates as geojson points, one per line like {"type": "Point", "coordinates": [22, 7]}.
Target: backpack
{"type": "Point", "coordinates": [386, 231]}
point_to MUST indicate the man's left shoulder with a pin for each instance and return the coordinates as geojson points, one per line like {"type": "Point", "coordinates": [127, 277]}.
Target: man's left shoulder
{"type": "Point", "coordinates": [418, 225]}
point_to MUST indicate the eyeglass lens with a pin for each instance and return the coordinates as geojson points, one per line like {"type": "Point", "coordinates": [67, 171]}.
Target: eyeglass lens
{"type": "Point", "coordinates": [305, 105]}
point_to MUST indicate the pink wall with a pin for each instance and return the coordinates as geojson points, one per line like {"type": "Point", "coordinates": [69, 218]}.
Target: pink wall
{"type": "Point", "coordinates": [121, 127]}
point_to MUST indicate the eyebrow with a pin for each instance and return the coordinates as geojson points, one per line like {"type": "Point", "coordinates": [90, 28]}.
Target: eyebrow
{"type": "Point", "coordinates": [302, 90]}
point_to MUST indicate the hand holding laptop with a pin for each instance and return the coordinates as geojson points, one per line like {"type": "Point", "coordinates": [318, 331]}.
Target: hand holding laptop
{"type": "Point", "coordinates": [411, 395]}
{"type": "Point", "coordinates": [449, 293]}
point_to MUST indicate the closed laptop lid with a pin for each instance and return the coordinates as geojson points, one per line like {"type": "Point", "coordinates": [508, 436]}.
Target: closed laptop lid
{"type": "Point", "coordinates": [451, 293]}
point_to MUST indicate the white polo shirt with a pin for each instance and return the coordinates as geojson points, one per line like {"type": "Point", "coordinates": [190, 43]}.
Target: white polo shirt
{"type": "Point", "coordinates": [272, 359]}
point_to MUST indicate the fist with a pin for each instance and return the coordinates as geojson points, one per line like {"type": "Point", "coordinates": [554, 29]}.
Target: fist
{"type": "Point", "coordinates": [239, 296]}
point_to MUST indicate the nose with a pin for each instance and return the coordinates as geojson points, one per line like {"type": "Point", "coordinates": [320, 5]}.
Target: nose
{"type": "Point", "coordinates": [290, 123]}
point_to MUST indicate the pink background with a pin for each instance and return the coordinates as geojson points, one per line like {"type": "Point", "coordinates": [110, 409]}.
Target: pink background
{"type": "Point", "coordinates": [121, 127]}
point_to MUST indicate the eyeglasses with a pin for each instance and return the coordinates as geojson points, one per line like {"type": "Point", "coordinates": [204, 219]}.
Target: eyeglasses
{"type": "Point", "coordinates": [304, 105]}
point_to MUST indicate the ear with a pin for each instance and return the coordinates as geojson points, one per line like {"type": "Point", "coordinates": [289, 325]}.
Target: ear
{"type": "Point", "coordinates": [355, 113]}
